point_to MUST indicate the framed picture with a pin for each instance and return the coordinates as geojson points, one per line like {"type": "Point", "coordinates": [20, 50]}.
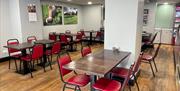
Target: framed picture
{"type": "Point", "coordinates": [146, 11]}
{"type": "Point", "coordinates": [32, 12]}
{"type": "Point", "coordinates": [52, 15]}
{"type": "Point", "coordinates": [70, 15]}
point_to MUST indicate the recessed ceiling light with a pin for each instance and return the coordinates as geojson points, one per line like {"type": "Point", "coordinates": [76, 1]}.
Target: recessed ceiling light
{"type": "Point", "coordinates": [69, 0]}
{"type": "Point", "coordinates": [165, 3]}
{"type": "Point", "coordinates": [89, 2]}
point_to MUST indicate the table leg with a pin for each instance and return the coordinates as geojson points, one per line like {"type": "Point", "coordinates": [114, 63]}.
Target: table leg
{"type": "Point", "coordinates": [90, 38]}
{"type": "Point", "coordinates": [93, 80]}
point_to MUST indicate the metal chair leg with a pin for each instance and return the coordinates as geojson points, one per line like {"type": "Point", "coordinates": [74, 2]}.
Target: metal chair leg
{"type": "Point", "coordinates": [79, 88]}
{"type": "Point", "coordinates": [152, 69]}
{"type": "Point", "coordinates": [135, 79]}
{"type": "Point", "coordinates": [64, 87]}
{"type": "Point", "coordinates": [49, 63]}
{"type": "Point", "coordinates": [9, 63]}
{"type": "Point", "coordinates": [129, 87]}
{"type": "Point", "coordinates": [30, 67]}
{"type": "Point", "coordinates": [155, 65]}
{"type": "Point", "coordinates": [15, 64]}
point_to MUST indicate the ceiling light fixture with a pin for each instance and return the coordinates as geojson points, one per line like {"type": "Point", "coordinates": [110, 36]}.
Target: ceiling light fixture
{"type": "Point", "coordinates": [69, 0]}
{"type": "Point", "coordinates": [165, 3]}
{"type": "Point", "coordinates": [89, 2]}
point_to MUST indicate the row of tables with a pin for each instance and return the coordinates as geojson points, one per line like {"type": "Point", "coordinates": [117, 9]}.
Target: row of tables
{"type": "Point", "coordinates": [95, 64]}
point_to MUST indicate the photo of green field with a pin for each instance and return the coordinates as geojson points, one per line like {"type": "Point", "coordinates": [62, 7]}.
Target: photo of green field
{"type": "Point", "coordinates": [70, 15]}
{"type": "Point", "coordinates": [52, 15]}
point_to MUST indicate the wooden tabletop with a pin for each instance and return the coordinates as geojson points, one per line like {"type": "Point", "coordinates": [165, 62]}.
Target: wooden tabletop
{"type": "Point", "coordinates": [20, 46]}
{"type": "Point", "coordinates": [44, 41]}
{"type": "Point", "coordinates": [98, 64]}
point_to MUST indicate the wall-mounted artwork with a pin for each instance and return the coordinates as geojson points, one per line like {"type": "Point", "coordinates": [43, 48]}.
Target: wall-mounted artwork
{"type": "Point", "coordinates": [52, 15]}
{"type": "Point", "coordinates": [145, 17]}
{"type": "Point", "coordinates": [32, 12]}
{"type": "Point", "coordinates": [70, 15]}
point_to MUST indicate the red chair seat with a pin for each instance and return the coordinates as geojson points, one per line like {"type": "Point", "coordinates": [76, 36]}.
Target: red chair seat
{"type": "Point", "coordinates": [147, 57]}
{"type": "Point", "coordinates": [104, 84]}
{"type": "Point", "coordinates": [26, 58]}
{"type": "Point", "coordinates": [80, 80]}
{"type": "Point", "coordinates": [16, 56]}
{"type": "Point", "coordinates": [121, 72]}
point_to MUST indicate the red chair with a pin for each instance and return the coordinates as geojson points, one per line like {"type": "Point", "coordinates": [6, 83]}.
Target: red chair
{"type": "Point", "coordinates": [147, 58]}
{"type": "Point", "coordinates": [56, 48]}
{"type": "Point", "coordinates": [78, 37]}
{"type": "Point", "coordinates": [52, 36]}
{"type": "Point", "coordinates": [123, 72]}
{"type": "Point", "coordinates": [13, 53]}
{"type": "Point", "coordinates": [31, 38]}
{"type": "Point", "coordinates": [104, 84]}
{"type": "Point", "coordinates": [85, 51]}
{"type": "Point", "coordinates": [77, 80]}
{"type": "Point", "coordinates": [36, 54]}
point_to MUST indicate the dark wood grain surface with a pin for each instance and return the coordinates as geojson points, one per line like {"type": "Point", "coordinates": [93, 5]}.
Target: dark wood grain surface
{"type": "Point", "coordinates": [44, 41]}
{"type": "Point", "coordinates": [20, 46]}
{"type": "Point", "coordinates": [98, 64]}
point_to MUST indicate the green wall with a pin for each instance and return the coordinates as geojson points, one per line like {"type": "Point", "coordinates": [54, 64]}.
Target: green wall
{"type": "Point", "coordinates": [164, 16]}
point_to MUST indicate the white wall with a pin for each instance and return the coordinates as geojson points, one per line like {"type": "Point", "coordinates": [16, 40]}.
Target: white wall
{"type": "Point", "coordinates": [30, 28]}
{"type": "Point", "coordinates": [151, 17]}
{"type": "Point", "coordinates": [92, 17]}
{"type": "Point", "coordinates": [123, 25]}
{"type": "Point", "coordinates": [62, 28]}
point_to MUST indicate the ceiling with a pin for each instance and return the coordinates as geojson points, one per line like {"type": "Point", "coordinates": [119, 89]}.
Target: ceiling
{"type": "Point", "coordinates": [83, 2]}
{"type": "Point", "coordinates": [162, 1]}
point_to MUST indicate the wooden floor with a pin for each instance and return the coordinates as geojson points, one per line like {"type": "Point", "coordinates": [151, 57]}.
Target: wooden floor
{"type": "Point", "coordinates": [50, 81]}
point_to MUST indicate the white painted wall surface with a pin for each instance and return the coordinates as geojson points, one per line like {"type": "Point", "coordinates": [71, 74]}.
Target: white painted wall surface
{"type": "Point", "coordinates": [151, 17]}
{"type": "Point", "coordinates": [123, 25]}
{"type": "Point", "coordinates": [92, 17]}
{"type": "Point", "coordinates": [30, 28]}
{"type": "Point", "coordinates": [62, 28]}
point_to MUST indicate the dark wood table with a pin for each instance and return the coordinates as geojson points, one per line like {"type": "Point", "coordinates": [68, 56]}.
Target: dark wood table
{"type": "Point", "coordinates": [44, 42]}
{"type": "Point", "coordinates": [99, 64]}
{"type": "Point", "coordinates": [22, 47]}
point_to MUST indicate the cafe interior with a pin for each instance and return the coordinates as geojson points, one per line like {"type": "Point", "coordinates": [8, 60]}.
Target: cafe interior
{"type": "Point", "coordinates": [89, 45]}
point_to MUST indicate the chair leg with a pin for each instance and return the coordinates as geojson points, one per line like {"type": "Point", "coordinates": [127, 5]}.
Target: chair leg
{"type": "Point", "coordinates": [49, 63]}
{"type": "Point", "coordinates": [79, 88]}
{"type": "Point", "coordinates": [9, 63]}
{"type": "Point", "coordinates": [30, 67]}
{"type": "Point", "coordinates": [152, 69]}
{"type": "Point", "coordinates": [135, 79]}
{"type": "Point", "coordinates": [20, 65]}
{"type": "Point", "coordinates": [44, 65]}
{"type": "Point", "coordinates": [64, 87]}
{"type": "Point", "coordinates": [129, 87]}
{"type": "Point", "coordinates": [75, 88]}
{"type": "Point", "coordinates": [15, 64]}
{"type": "Point", "coordinates": [155, 65]}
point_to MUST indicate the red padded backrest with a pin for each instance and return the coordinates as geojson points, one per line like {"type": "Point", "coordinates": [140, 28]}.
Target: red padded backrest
{"type": "Point", "coordinates": [85, 51]}
{"type": "Point", "coordinates": [98, 34]}
{"type": "Point", "coordinates": [12, 42]}
{"type": "Point", "coordinates": [52, 36]}
{"type": "Point", "coordinates": [63, 38]}
{"type": "Point", "coordinates": [63, 61]}
{"type": "Point", "coordinates": [31, 38]}
{"type": "Point", "coordinates": [37, 51]}
{"type": "Point", "coordinates": [56, 48]}
{"type": "Point", "coordinates": [79, 35]}
{"type": "Point", "coordinates": [82, 32]}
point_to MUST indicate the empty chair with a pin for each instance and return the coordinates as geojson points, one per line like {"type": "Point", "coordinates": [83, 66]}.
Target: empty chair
{"type": "Point", "coordinates": [123, 72]}
{"type": "Point", "coordinates": [85, 51]}
{"type": "Point", "coordinates": [150, 43]}
{"type": "Point", "coordinates": [78, 80]}
{"type": "Point", "coordinates": [78, 37]}
{"type": "Point", "coordinates": [104, 84]}
{"type": "Point", "coordinates": [52, 36]}
{"type": "Point", "coordinates": [36, 54]}
{"type": "Point", "coordinates": [97, 37]}
{"type": "Point", "coordinates": [56, 48]}
{"type": "Point", "coordinates": [13, 53]}
{"type": "Point", "coordinates": [147, 58]}
{"type": "Point", "coordinates": [30, 39]}
{"type": "Point", "coordinates": [68, 32]}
